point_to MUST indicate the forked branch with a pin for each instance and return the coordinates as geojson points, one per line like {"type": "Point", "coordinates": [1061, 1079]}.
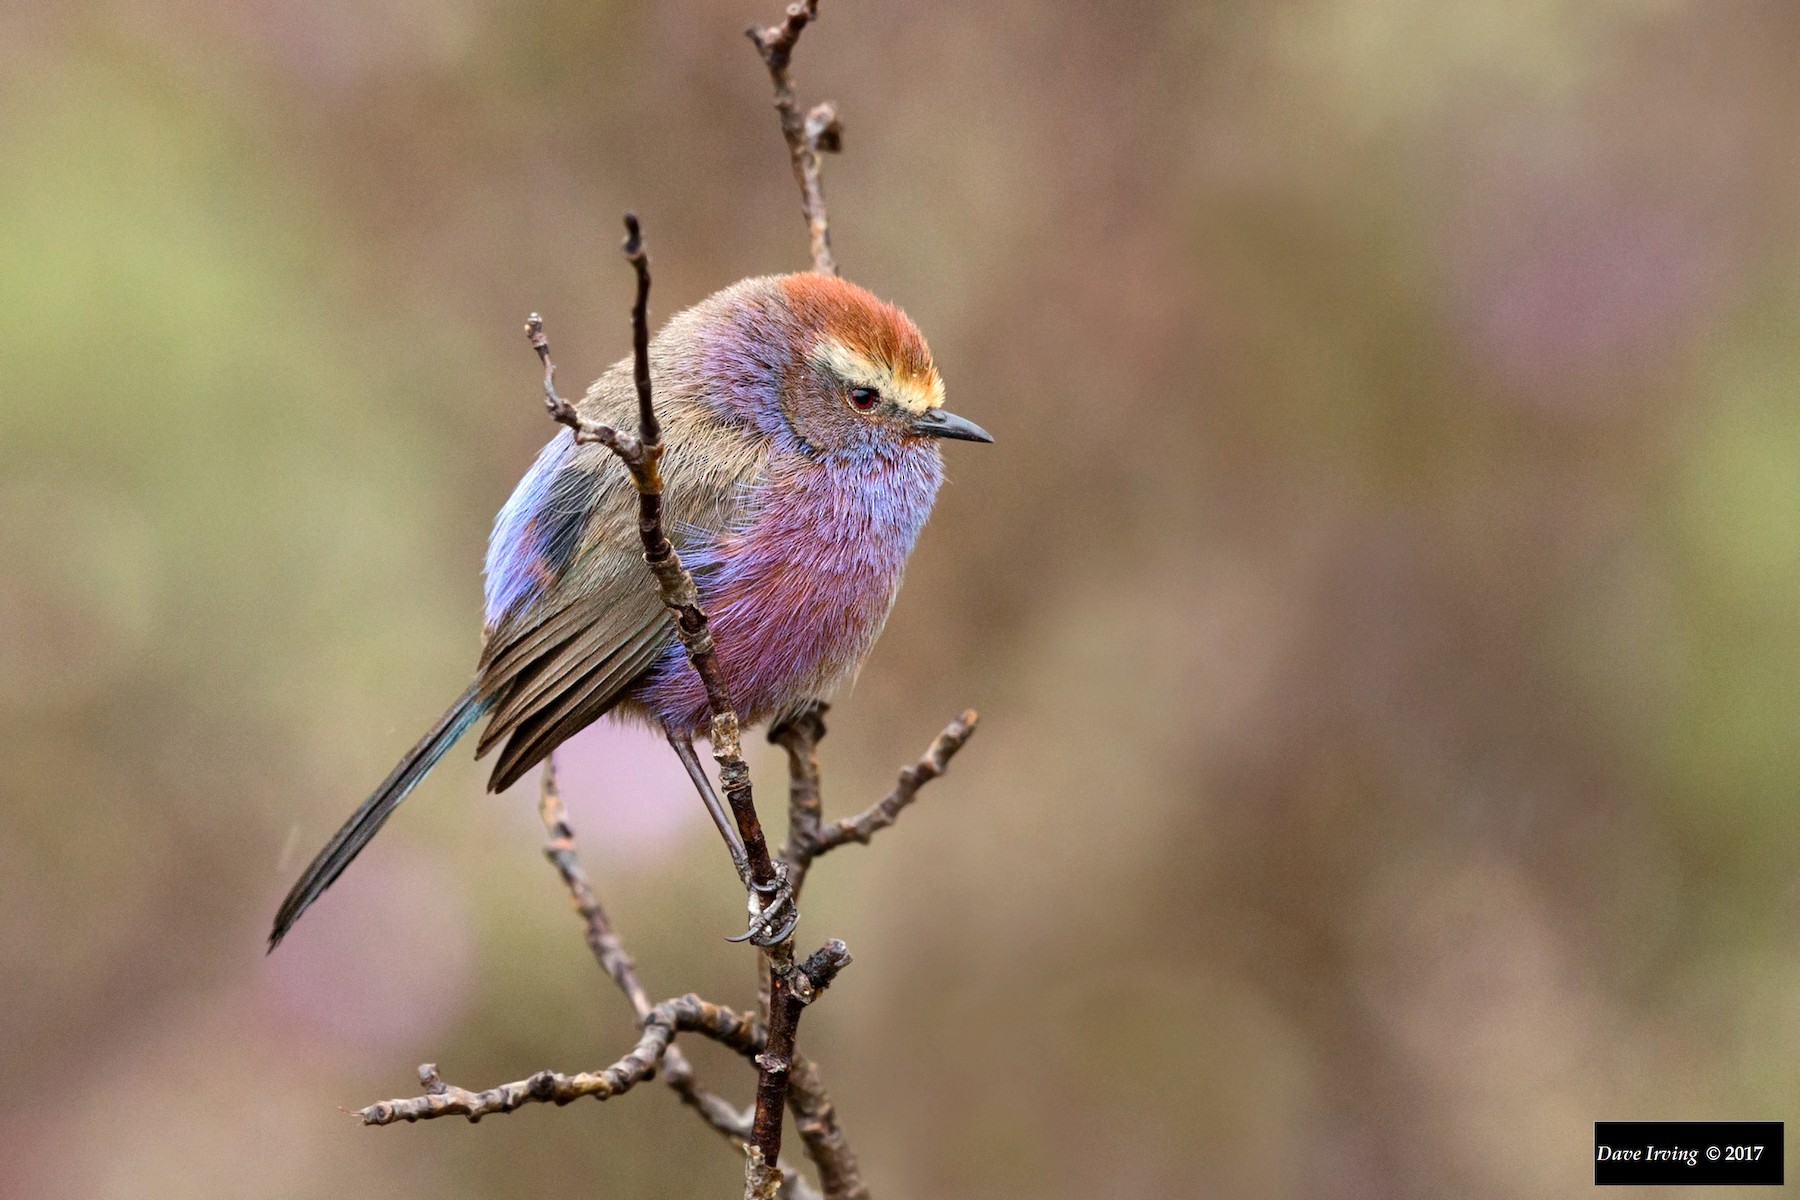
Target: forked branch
{"type": "Point", "coordinates": [808, 834]}
{"type": "Point", "coordinates": [686, 1014]}
{"type": "Point", "coordinates": [818, 132]}
{"type": "Point", "coordinates": [864, 825]}
{"type": "Point", "coordinates": [609, 951]}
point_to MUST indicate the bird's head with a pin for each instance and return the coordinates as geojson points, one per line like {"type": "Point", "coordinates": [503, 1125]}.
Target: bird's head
{"type": "Point", "coordinates": [864, 374]}
{"type": "Point", "coordinates": [857, 375]}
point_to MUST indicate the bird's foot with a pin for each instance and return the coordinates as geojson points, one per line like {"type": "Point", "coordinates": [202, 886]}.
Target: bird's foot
{"type": "Point", "coordinates": [768, 903]}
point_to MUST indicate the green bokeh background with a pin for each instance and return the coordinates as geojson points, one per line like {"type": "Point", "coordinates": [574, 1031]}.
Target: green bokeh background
{"type": "Point", "coordinates": [1381, 599]}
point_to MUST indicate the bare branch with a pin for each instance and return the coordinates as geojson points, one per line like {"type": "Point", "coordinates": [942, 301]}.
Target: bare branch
{"type": "Point", "coordinates": [815, 1116]}
{"type": "Point", "coordinates": [815, 1120]}
{"type": "Point", "coordinates": [625, 445]}
{"type": "Point", "coordinates": [791, 988]}
{"type": "Point", "coordinates": [818, 132]}
{"type": "Point", "coordinates": [687, 1014]}
{"type": "Point", "coordinates": [800, 735]}
{"type": "Point", "coordinates": [609, 951]}
{"type": "Point", "coordinates": [876, 817]}
{"type": "Point", "coordinates": [446, 1100]}
{"type": "Point", "coordinates": [783, 1077]}
{"type": "Point", "coordinates": [649, 429]}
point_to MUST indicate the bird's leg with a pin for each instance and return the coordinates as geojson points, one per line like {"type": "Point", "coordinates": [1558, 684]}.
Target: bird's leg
{"type": "Point", "coordinates": [768, 901]}
{"type": "Point", "coordinates": [684, 750]}
{"type": "Point", "coordinates": [779, 896]}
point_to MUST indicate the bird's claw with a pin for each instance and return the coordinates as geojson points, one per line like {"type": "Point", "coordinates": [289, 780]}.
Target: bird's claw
{"type": "Point", "coordinates": [780, 899]}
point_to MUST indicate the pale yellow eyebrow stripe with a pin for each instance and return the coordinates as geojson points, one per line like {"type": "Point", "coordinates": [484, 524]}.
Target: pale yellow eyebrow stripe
{"type": "Point", "coordinates": [856, 369]}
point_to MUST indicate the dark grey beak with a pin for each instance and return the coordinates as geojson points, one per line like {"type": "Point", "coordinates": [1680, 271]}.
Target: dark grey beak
{"type": "Point", "coordinates": [935, 422]}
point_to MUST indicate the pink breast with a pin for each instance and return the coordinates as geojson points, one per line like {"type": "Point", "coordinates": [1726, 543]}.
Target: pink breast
{"type": "Point", "coordinates": [802, 592]}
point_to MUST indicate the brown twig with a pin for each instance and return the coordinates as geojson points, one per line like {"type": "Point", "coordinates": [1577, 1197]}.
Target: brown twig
{"type": "Point", "coordinates": [687, 1014]}
{"type": "Point", "coordinates": [800, 735]}
{"type": "Point", "coordinates": [810, 843]}
{"type": "Point", "coordinates": [629, 449]}
{"type": "Point", "coordinates": [602, 939]}
{"type": "Point", "coordinates": [792, 988]}
{"type": "Point", "coordinates": [818, 132]}
{"type": "Point", "coordinates": [649, 428]}
{"type": "Point", "coordinates": [815, 1116]}
{"type": "Point", "coordinates": [762, 1171]}
{"type": "Point", "coordinates": [718, 1113]}
{"type": "Point", "coordinates": [609, 951]}
{"type": "Point", "coordinates": [815, 1120]}
{"type": "Point", "coordinates": [785, 1079]}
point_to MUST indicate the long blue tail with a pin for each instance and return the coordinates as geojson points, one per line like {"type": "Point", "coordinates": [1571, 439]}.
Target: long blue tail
{"type": "Point", "coordinates": [368, 819]}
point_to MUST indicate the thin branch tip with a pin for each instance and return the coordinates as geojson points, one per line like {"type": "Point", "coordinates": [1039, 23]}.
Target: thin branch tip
{"type": "Point", "coordinates": [822, 965]}
{"type": "Point", "coordinates": [809, 837]}
{"type": "Point", "coordinates": [824, 129]}
{"type": "Point", "coordinates": [808, 136]}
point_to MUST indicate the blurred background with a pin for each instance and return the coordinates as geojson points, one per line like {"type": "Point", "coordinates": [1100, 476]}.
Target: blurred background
{"type": "Point", "coordinates": [1381, 600]}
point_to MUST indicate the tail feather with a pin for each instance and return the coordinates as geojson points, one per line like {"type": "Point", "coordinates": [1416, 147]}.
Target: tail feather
{"type": "Point", "coordinates": [369, 817]}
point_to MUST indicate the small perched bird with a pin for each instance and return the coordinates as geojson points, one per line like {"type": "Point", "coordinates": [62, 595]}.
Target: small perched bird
{"type": "Point", "coordinates": [802, 418]}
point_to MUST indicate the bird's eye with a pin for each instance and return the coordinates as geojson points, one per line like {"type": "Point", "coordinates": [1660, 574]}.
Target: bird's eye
{"type": "Point", "coordinates": [862, 399]}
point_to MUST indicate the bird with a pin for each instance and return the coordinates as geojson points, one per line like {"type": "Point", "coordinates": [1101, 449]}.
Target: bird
{"type": "Point", "coordinates": [802, 418]}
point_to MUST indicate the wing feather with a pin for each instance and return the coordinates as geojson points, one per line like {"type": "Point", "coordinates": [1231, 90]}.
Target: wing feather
{"type": "Point", "coordinates": [581, 619]}
{"type": "Point", "coordinates": [597, 639]}
{"type": "Point", "coordinates": [570, 711]}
